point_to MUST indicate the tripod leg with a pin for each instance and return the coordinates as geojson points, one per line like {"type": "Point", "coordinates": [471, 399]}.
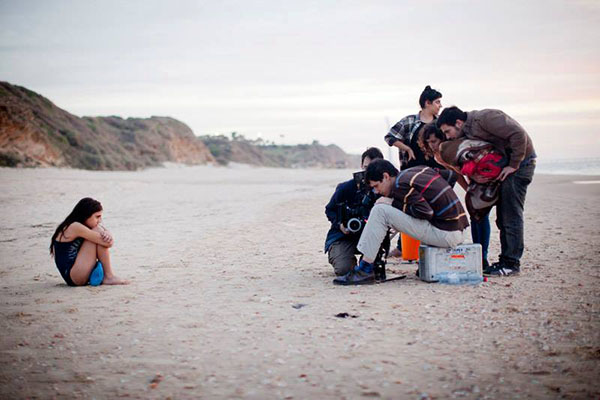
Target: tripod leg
{"type": "Point", "coordinates": [381, 259]}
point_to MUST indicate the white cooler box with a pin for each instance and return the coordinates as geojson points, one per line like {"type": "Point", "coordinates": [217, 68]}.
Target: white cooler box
{"type": "Point", "coordinates": [463, 260]}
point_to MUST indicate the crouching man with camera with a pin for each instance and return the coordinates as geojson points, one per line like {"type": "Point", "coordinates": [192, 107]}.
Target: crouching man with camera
{"type": "Point", "coordinates": [416, 201]}
{"type": "Point", "coordinates": [347, 211]}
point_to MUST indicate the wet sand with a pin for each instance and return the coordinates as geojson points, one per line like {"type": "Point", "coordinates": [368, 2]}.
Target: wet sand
{"type": "Point", "coordinates": [231, 297]}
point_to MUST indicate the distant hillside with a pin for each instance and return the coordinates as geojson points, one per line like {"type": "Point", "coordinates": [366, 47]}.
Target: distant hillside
{"type": "Point", "coordinates": [34, 132]}
{"type": "Point", "coordinates": [255, 152]}
{"type": "Point", "coordinates": [312, 155]}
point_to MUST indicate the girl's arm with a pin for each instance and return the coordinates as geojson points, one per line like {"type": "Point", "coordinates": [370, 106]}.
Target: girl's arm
{"type": "Point", "coordinates": [99, 236]}
{"type": "Point", "coordinates": [106, 236]}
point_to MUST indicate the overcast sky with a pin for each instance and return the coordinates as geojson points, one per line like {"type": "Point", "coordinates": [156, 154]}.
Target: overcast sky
{"type": "Point", "coordinates": [296, 71]}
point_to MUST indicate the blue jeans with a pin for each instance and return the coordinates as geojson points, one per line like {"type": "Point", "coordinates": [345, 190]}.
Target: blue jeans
{"type": "Point", "coordinates": [480, 232]}
{"type": "Point", "coordinates": [509, 213]}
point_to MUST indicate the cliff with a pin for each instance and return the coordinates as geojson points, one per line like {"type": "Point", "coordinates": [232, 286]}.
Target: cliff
{"type": "Point", "coordinates": [35, 132]}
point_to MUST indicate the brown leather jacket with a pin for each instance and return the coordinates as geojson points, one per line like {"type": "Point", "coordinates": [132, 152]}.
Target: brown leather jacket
{"type": "Point", "coordinates": [499, 129]}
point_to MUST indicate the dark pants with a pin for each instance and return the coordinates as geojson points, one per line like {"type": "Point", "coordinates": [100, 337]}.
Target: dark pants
{"type": "Point", "coordinates": [509, 212]}
{"type": "Point", "coordinates": [480, 232]}
{"type": "Point", "coordinates": [342, 257]}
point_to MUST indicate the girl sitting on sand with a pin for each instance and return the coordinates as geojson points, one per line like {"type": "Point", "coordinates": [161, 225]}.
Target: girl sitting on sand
{"type": "Point", "coordinates": [80, 247]}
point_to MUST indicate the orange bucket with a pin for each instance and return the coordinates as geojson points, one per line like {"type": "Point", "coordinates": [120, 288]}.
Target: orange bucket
{"type": "Point", "coordinates": [410, 247]}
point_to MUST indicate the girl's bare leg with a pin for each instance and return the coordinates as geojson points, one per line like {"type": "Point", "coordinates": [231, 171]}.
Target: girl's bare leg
{"type": "Point", "coordinates": [88, 254]}
{"type": "Point", "coordinates": [109, 276]}
{"type": "Point", "coordinates": [85, 261]}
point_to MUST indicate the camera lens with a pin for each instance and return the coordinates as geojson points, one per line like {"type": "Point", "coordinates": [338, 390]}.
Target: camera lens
{"type": "Point", "coordinates": [354, 225]}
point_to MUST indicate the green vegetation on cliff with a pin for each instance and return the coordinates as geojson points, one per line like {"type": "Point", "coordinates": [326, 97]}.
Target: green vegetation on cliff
{"type": "Point", "coordinates": [258, 152]}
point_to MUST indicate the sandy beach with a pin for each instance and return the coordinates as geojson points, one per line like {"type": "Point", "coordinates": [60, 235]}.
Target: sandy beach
{"type": "Point", "coordinates": [231, 297]}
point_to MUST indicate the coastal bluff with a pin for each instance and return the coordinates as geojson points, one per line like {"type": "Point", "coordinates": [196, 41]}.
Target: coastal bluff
{"type": "Point", "coordinates": [34, 132]}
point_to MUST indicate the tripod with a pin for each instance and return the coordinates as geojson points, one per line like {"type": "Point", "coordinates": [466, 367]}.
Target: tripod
{"type": "Point", "coordinates": [381, 260]}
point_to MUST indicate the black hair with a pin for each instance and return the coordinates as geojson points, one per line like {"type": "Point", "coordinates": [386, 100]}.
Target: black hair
{"type": "Point", "coordinates": [376, 169]}
{"type": "Point", "coordinates": [450, 115]}
{"type": "Point", "coordinates": [372, 152]}
{"type": "Point", "coordinates": [84, 209]}
{"type": "Point", "coordinates": [428, 94]}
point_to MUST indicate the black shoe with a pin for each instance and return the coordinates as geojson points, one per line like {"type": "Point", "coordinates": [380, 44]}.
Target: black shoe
{"type": "Point", "coordinates": [502, 269]}
{"type": "Point", "coordinates": [358, 277]}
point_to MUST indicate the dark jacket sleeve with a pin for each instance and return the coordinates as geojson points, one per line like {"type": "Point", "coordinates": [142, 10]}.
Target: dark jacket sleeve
{"type": "Point", "coordinates": [343, 192]}
{"type": "Point", "coordinates": [498, 124]}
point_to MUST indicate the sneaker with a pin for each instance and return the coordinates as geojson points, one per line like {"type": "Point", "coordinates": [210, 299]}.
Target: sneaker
{"type": "Point", "coordinates": [356, 277]}
{"type": "Point", "coordinates": [502, 269]}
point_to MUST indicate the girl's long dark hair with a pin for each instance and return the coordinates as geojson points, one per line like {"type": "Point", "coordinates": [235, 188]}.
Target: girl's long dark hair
{"type": "Point", "coordinates": [82, 211]}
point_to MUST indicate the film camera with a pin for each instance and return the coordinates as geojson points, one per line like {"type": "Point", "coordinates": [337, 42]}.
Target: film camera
{"type": "Point", "coordinates": [354, 215]}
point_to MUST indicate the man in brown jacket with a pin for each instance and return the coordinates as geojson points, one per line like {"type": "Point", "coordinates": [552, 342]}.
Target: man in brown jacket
{"type": "Point", "coordinates": [508, 137]}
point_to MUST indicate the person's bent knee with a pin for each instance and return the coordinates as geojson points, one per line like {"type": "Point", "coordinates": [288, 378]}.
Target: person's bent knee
{"type": "Point", "coordinates": [342, 267]}
{"type": "Point", "coordinates": [383, 212]}
{"type": "Point", "coordinates": [379, 209]}
{"type": "Point", "coordinates": [459, 238]}
{"type": "Point", "coordinates": [341, 262]}
{"type": "Point", "coordinates": [342, 258]}
{"type": "Point", "coordinates": [103, 244]}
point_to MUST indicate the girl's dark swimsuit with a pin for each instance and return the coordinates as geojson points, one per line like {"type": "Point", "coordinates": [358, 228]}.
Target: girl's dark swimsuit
{"type": "Point", "coordinates": [65, 254]}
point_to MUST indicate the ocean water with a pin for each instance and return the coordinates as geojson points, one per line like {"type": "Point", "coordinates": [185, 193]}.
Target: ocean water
{"type": "Point", "coordinates": [573, 166]}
